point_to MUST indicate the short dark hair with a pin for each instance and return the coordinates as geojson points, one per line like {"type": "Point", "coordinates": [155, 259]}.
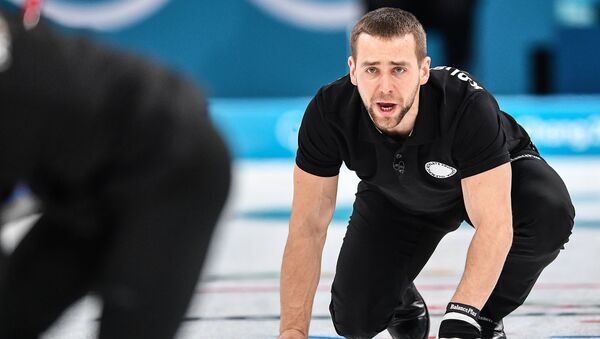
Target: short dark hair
{"type": "Point", "coordinates": [389, 22]}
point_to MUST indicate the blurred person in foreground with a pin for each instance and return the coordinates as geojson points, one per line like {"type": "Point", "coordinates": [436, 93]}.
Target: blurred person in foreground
{"type": "Point", "coordinates": [131, 178]}
{"type": "Point", "coordinates": [432, 148]}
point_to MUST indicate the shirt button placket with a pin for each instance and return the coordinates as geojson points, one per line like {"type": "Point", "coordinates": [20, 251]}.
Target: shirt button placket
{"type": "Point", "coordinates": [398, 163]}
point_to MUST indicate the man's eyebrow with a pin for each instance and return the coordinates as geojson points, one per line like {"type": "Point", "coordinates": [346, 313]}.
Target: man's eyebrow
{"type": "Point", "coordinates": [400, 63]}
{"type": "Point", "coordinates": [370, 63]}
{"type": "Point", "coordinates": [376, 63]}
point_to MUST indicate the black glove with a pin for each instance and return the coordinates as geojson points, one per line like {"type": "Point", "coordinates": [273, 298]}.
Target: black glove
{"type": "Point", "coordinates": [460, 321]}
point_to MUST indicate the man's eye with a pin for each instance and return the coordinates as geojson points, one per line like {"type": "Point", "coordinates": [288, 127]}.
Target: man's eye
{"type": "Point", "coordinates": [371, 70]}
{"type": "Point", "coordinates": [399, 70]}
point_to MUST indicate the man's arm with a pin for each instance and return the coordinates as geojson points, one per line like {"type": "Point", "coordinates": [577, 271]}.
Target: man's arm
{"type": "Point", "coordinates": [312, 210]}
{"type": "Point", "coordinates": [488, 203]}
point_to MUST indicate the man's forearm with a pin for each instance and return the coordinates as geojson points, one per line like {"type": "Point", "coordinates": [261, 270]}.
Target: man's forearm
{"type": "Point", "coordinates": [485, 259]}
{"type": "Point", "coordinates": [300, 273]}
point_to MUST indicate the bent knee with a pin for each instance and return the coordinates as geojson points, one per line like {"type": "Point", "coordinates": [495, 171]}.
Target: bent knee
{"type": "Point", "coordinates": [358, 324]}
{"type": "Point", "coordinates": [547, 225]}
{"type": "Point", "coordinates": [355, 330]}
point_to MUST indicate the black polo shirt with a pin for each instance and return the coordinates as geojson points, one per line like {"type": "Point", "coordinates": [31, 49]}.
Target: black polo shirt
{"type": "Point", "coordinates": [459, 132]}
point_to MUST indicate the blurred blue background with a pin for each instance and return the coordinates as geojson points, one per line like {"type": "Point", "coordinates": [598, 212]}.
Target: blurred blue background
{"type": "Point", "coordinates": [259, 61]}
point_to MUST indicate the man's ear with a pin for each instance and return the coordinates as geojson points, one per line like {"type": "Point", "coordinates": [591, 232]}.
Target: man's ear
{"type": "Point", "coordinates": [424, 71]}
{"type": "Point", "coordinates": [352, 67]}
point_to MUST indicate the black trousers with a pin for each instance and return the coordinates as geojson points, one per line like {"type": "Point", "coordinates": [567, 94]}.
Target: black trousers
{"type": "Point", "coordinates": [138, 240]}
{"type": "Point", "coordinates": [385, 249]}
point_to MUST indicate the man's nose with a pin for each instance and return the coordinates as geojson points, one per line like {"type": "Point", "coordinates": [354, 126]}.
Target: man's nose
{"type": "Point", "coordinates": [386, 85]}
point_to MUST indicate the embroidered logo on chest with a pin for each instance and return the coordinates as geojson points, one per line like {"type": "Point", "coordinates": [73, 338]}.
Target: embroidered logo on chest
{"type": "Point", "coordinates": [439, 170]}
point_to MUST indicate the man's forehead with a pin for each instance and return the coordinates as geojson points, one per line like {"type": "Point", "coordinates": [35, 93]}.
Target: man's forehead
{"type": "Point", "coordinates": [366, 37]}
{"type": "Point", "coordinates": [402, 49]}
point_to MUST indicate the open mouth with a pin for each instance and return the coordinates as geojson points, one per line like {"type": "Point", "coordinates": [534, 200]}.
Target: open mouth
{"type": "Point", "coordinates": [386, 107]}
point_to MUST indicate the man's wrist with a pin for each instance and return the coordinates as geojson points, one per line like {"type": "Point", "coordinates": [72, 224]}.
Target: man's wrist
{"type": "Point", "coordinates": [463, 308]}
{"type": "Point", "coordinates": [462, 312]}
{"type": "Point", "coordinates": [292, 333]}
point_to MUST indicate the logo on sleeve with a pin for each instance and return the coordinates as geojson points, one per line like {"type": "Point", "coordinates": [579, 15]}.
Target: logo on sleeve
{"type": "Point", "coordinates": [439, 170]}
{"type": "Point", "coordinates": [460, 75]}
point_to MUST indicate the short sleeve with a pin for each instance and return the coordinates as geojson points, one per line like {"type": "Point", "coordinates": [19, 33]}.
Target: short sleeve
{"type": "Point", "coordinates": [480, 143]}
{"type": "Point", "coordinates": [318, 151]}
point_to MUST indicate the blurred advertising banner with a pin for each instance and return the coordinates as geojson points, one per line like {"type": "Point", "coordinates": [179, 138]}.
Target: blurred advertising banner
{"type": "Point", "coordinates": [268, 128]}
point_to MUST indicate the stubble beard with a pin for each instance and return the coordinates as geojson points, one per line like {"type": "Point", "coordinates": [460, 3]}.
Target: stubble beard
{"type": "Point", "coordinates": [387, 124]}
